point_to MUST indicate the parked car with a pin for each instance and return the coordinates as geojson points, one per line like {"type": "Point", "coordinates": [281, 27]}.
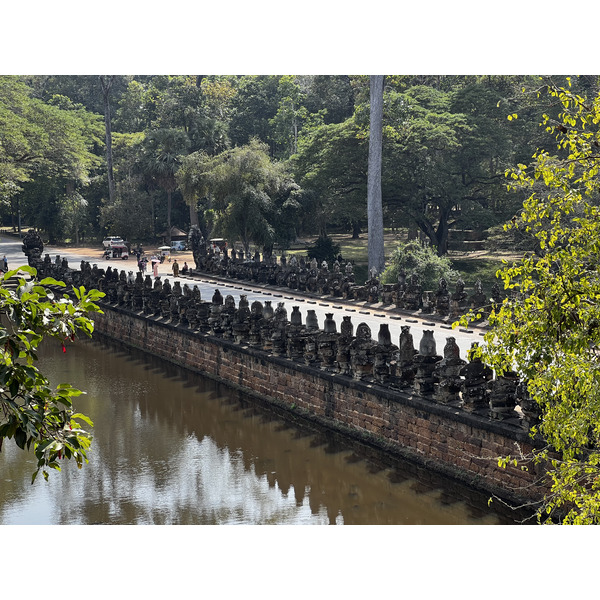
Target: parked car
{"type": "Point", "coordinates": [178, 245]}
{"type": "Point", "coordinates": [112, 240]}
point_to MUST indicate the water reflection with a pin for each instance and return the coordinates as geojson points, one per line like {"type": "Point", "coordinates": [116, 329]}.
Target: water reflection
{"type": "Point", "coordinates": [171, 447]}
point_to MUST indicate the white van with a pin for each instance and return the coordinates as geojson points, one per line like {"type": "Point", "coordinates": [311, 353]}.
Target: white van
{"type": "Point", "coordinates": [112, 240]}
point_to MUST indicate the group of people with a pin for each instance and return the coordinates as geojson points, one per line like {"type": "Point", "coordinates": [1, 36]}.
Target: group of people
{"type": "Point", "coordinates": [176, 270]}
{"type": "Point", "coordinates": [155, 261]}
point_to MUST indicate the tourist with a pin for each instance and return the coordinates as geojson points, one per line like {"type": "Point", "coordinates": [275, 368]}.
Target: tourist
{"type": "Point", "coordinates": [154, 266]}
{"type": "Point", "coordinates": [4, 264]}
{"type": "Point", "coordinates": [175, 268]}
{"type": "Point", "coordinates": [185, 268]}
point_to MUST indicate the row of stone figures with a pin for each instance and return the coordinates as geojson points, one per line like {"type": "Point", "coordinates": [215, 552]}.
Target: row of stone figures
{"type": "Point", "coordinates": [295, 274]}
{"type": "Point", "coordinates": [448, 379]}
{"type": "Point", "coordinates": [308, 276]}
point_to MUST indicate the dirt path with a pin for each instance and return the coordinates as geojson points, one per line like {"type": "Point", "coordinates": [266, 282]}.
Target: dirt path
{"type": "Point", "coordinates": [149, 250]}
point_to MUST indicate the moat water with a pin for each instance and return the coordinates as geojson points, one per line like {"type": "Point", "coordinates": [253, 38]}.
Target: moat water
{"type": "Point", "coordinates": [172, 447]}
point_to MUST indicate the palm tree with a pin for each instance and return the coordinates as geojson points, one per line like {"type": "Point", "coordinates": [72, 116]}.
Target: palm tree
{"type": "Point", "coordinates": [163, 150]}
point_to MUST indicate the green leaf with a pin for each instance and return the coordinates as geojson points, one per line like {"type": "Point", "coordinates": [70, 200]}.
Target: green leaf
{"type": "Point", "coordinates": [52, 281]}
{"type": "Point", "coordinates": [82, 417]}
{"type": "Point", "coordinates": [20, 438]}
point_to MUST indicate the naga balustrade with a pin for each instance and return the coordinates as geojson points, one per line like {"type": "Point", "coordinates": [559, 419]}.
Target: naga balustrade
{"type": "Point", "coordinates": [445, 378]}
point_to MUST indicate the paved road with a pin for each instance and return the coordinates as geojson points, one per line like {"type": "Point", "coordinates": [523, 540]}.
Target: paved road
{"type": "Point", "coordinates": [359, 313]}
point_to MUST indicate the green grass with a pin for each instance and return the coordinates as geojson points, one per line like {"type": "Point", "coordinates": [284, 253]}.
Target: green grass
{"type": "Point", "coordinates": [357, 250]}
{"type": "Point", "coordinates": [474, 266]}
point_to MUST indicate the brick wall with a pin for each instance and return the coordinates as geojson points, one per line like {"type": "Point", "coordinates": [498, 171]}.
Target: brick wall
{"type": "Point", "coordinates": [446, 440]}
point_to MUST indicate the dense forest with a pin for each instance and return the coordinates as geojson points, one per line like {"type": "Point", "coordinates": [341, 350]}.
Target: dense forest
{"type": "Point", "coordinates": [263, 160]}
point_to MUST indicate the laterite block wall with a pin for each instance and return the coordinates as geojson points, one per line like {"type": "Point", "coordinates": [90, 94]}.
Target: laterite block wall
{"type": "Point", "coordinates": [445, 439]}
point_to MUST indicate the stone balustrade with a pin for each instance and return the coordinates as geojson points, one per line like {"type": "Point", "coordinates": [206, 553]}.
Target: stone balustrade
{"type": "Point", "coordinates": [441, 377]}
{"type": "Point", "coordinates": [302, 275]}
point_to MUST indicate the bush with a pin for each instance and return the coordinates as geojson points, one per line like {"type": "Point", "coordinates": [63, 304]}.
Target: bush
{"type": "Point", "coordinates": [423, 260]}
{"type": "Point", "coordinates": [324, 249]}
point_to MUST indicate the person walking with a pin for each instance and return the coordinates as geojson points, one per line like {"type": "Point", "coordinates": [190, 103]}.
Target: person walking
{"type": "Point", "coordinates": [4, 264]}
{"type": "Point", "coordinates": [175, 268]}
{"type": "Point", "coordinates": [155, 266]}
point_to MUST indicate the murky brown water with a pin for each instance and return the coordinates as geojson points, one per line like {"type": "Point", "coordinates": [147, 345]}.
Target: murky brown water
{"type": "Point", "coordinates": [171, 447]}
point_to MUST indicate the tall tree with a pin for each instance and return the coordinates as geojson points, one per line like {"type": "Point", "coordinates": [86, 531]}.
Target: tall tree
{"type": "Point", "coordinates": [374, 205]}
{"type": "Point", "coordinates": [422, 138]}
{"type": "Point", "coordinates": [192, 180]}
{"type": "Point", "coordinates": [106, 82]}
{"type": "Point", "coordinates": [47, 150]}
{"type": "Point", "coordinates": [163, 150]}
{"type": "Point", "coordinates": [331, 166]}
{"type": "Point", "coordinates": [132, 214]}
{"type": "Point", "coordinates": [254, 199]}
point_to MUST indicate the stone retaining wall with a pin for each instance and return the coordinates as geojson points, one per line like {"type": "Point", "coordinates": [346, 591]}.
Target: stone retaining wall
{"type": "Point", "coordinates": [449, 441]}
{"type": "Point", "coordinates": [442, 411]}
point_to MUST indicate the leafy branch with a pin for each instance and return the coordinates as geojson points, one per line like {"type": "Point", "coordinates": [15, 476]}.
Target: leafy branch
{"type": "Point", "coordinates": [31, 412]}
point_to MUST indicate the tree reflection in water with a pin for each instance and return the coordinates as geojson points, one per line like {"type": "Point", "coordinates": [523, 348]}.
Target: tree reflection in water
{"type": "Point", "coordinates": [171, 447]}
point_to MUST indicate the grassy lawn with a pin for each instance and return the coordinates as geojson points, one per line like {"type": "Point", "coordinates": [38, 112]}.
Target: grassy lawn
{"type": "Point", "coordinates": [482, 265]}
{"type": "Point", "coordinates": [472, 265]}
{"type": "Point", "coordinates": [355, 250]}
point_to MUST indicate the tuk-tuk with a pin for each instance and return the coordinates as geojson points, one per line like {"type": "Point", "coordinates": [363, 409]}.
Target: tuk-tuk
{"type": "Point", "coordinates": [118, 251]}
{"type": "Point", "coordinates": [165, 252]}
{"type": "Point", "coordinates": [217, 245]}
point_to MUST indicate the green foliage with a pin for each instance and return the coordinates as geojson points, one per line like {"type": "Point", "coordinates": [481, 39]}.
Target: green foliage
{"type": "Point", "coordinates": [49, 151]}
{"type": "Point", "coordinates": [162, 154]}
{"type": "Point", "coordinates": [55, 138]}
{"type": "Point", "coordinates": [253, 198]}
{"type": "Point", "coordinates": [447, 143]}
{"type": "Point", "coordinates": [412, 257]}
{"type": "Point", "coordinates": [253, 107]}
{"type": "Point", "coordinates": [31, 412]}
{"type": "Point", "coordinates": [549, 331]}
{"type": "Point", "coordinates": [131, 213]}
{"type": "Point", "coordinates": [331, 164]}
{"type": "Point", "coordinates": [324, 248]}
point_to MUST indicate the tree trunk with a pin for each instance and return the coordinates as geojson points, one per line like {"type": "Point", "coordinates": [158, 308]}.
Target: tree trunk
{"type": "Point", "coordinates": [13, 215]}
{"type": "Point", "coordinates": [441, 234]}
{"type": "Point", "coordinates": [374, 206]}
{"type": "Point", "coordinates": [18, 216]}
{"type": "Point", "coordinates": [355, 230]}
{"type": "Point", "coordinates": [106, 83]}
{"type": "Point", "coordinates": [437, 237]}
{"type": "Point", "coordinates": [194, 215]}
{"type": "Point", "coordinates": [169, 205]}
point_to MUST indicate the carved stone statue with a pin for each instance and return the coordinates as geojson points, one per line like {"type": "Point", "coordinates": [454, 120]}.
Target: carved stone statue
{"type": "Point", "coordinates": [197, 244]}
{"type": "Point", "coordinates": [33, 246]}
{"type": "Point", "coordinates": [447, 372]}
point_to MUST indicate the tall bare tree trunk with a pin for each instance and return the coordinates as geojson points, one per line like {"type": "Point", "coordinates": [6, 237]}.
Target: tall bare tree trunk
{"type": "Point", "coordinates": [106, 83]}
{"type": "Point", "coordinates": [169, 207]}
{"type": "Point", "coordinates": [194, 215]}
{"type": "Point", "coordinates": [374, 206]}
